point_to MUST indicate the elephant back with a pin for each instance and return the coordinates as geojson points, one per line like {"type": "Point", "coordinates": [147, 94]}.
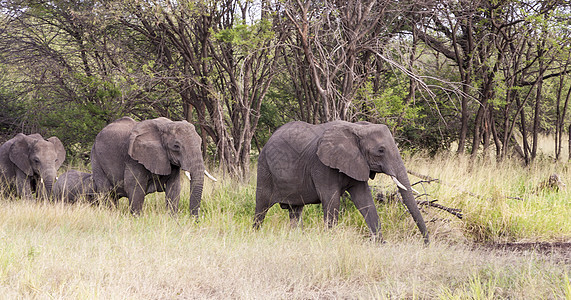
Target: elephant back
{"type": "Point", "coordinates": [297, 137]}
{"type": "Point", "coordinates": [73, 184]}
{"type": "Point", "coordinates": [290, 149]}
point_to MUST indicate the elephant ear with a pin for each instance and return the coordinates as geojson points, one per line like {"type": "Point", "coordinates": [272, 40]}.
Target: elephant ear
{"type": "Point", "coordinates": [146, 147]}
{"type": "Point", "coordinates": [338, 148]}
{"type": "Point", "coordinates": [19, 154]}
{"type": "Point", "coordinates": [60, 150]}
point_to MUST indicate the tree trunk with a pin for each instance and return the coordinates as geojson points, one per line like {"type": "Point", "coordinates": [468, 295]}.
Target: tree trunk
{"type": "Point", "coordinates": [569, 141]}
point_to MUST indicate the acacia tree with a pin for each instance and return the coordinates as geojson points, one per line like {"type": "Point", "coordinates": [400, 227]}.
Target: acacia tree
{"type": "Point", "coordinates": [71, 70]}
{"type": "Point", "coordinates": [456, 29]}
{"type": "Point", "coordinates": [215, 63]}
{"type": "Point", "coordinates": [532, 50]}
{"type": "Point", "coordinates": [220, 58]}
{"type": "Point", "coordinates": [503, 54]}
{"type": "Point", "coordinates": [45, 46]}
{"type": "Point", "coordinates": [561, 108]}
{"type": "Point", "coordinates": [338, 46]}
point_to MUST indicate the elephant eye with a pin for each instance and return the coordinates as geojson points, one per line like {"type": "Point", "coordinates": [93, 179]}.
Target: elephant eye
{"type": "Point", "coordinates": [36, 160]}
{"type": "Point", "coordinates": [382, 150]}
{"type": "Point", "coordinates": [176, 147]}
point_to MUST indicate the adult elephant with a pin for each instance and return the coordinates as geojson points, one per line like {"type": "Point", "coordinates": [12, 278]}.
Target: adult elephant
{"type": "Point", "coordinates": [132, 159]}
{"type": "Point", "coordinates": [29, 163]}
{"type": "Point", "coordinates": [309, 164]}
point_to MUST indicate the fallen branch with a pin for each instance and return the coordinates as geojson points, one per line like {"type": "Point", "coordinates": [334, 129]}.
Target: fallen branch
{"type": "Point", "coordinates": [430, 179]}
{"type": "Point", "coordinates": [455, 211]}
{"type": "Point", "coordinates": [381, 197]}
{"type": "Point", "coordinates": [424, 181]}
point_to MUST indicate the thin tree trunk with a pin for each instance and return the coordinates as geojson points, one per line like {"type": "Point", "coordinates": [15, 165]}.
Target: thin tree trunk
{"type": "Point", "coordinates": [523, 131]}
{"type": "Point", "coordinates": [569, 143]}
{"type": "Point", "coordinates": [536, 117]}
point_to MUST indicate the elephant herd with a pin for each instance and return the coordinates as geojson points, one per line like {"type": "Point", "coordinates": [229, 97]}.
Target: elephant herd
{"type": "Point", "coordinates": [300, 164]}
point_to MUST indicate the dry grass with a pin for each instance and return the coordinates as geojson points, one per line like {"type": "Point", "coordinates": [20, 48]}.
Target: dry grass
{"type": "Point", "coordinates": [511, 203]}
{"type": "Point", "coordinates": [94, 252]}
{"type": "Point", "coordinates": [55, 251]}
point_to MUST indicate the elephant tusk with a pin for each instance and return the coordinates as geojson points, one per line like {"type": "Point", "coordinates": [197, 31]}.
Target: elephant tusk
{"type": "Point", "coordinates": [210, 176]}
{"type": "Point", "coordinates": [397, 182]}
{"type": "Point", "coordinates": [205, 172]}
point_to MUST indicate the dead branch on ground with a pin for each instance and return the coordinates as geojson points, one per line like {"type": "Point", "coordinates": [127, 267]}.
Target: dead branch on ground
{"type": "Point", "coordinates": [430, 179]}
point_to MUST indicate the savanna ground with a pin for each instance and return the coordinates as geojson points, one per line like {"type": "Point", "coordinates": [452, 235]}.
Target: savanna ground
{"type": "Point", "coordinates": [94, 252]}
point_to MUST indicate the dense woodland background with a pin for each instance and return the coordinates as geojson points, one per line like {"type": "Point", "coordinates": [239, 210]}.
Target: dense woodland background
{"type": "Point", "coordinates": [482, 77]}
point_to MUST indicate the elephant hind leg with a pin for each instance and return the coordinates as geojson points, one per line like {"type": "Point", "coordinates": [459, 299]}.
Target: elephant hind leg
{"type": "Point", "coordinates": [263, 204]}
{"type": "Point", "coordinates": [259, 216]}
{"type": "Point", "coordinates": [264, 191]}
{"type": "Point", "coordinates": [295, 212]}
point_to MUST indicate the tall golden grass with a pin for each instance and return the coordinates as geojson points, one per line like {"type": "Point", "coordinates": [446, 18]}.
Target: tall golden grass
{"type": "Point", "coordinates": [86, 251]}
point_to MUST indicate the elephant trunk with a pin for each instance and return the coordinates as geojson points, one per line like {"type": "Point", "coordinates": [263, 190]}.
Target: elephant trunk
{"type": "Point", "coordinates": [47, 182]}
{"type": "Point", "coordinates": [410, 202]}
{"type": "Point", "coordinates": [196, 170]}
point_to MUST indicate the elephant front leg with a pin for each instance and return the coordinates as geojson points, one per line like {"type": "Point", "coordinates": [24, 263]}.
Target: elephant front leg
{"type": "Point", "coordinates": [361, 196]}
{"type": "Point", "coordinates": [135, 187]}
{"type": "Point", "coordinates": [136, 199]}
{"type": "Point", "coordinates": [331, 202]}
{"type": "Point", "coordinates": [23, 187]}
{"type": "Point", "coordinates": [172, 193]}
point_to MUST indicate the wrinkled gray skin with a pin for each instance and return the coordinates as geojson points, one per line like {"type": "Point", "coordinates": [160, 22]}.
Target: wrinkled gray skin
{"type": "Point", "coordinates": [72, 185]}
{"type": "Point", "coordinates": [132, 159]}
{"type": "Point", "coordinates": [309, 164]}
{"type": "Point", "coordinates": [26, 160]}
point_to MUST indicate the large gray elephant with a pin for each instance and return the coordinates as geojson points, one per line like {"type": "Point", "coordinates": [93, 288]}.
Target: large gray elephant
{"type": "Point", "coordinates": [72, 185]}
{"type": "Point", "coordinates": [132, 159]}
{"type": "Point", "coordinates": [27, 161]}
{"type": "Point", "coordinates": [309, 164]}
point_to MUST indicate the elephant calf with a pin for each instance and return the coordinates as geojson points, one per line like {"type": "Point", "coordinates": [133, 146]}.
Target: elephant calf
{"type": "Point", "coordinates": [72, 185]}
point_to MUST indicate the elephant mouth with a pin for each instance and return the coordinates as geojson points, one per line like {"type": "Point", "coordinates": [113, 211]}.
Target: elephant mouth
{"type": "Point", "coordinates": [401, 186]}
{"type": "Point", "coordinates": [205, 173]}
{"type": "Point", "coordinates": [372, 174]}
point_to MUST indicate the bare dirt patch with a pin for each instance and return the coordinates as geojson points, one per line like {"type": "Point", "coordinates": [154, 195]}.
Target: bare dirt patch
{"type": "Point", "coordinates": [559, 251]}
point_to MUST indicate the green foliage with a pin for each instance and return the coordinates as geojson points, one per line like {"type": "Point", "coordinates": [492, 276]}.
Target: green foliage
{"type": "Point", "coordinates": [246, 37]}
{"type": "Point", "coordinates": [12, 112]}
{"type": "Point", "coordinates": [385, 105]}
{"type": "Point", "coordinates": [76, 125]}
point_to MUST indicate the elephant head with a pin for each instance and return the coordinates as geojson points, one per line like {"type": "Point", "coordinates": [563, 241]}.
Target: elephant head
{"type": "Point", "coordinates": [160, 144]}
{"type": "Point", "coordinates": [38, 159]}
{"type": "Point", "coordinates": [360, 151]}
